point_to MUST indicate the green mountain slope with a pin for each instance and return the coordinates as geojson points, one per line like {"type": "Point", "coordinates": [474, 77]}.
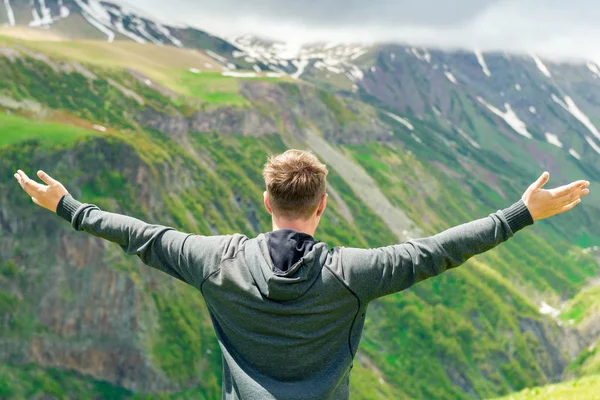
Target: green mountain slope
{"type": "Point", "coordinates": [30, 381]}
{"type": "Point", "coordinates": [75, 304]}
{"type": "Point", "coordinates": [581, 389]}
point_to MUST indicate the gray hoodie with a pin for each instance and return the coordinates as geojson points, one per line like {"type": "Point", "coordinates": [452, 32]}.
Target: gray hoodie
{"type": "Point", "coordinates": [287, 310]}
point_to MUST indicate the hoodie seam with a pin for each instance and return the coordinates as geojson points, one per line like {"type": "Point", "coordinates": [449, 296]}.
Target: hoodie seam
{"type": "Point", "coordinates": [218, 269]}
{"type": "Point", "coordinates": [352, 354]}
{"type": "Point", "coordinates": [207, 278]}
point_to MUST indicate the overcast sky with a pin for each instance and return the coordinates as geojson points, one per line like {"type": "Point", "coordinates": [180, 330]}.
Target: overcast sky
{"type": "Point", "coordinates": [554, 28]}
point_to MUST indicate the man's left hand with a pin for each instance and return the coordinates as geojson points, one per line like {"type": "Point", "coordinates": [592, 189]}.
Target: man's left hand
{"type": "Point", "coordinates": [44, 196]}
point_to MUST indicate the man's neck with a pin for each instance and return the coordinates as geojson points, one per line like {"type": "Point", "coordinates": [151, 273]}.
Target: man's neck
{"type": "Point", "coordinates": [299, 226]}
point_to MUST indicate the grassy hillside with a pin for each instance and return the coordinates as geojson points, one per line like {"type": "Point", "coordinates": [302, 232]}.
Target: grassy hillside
{"type": "Point", "coordinates": [581, 389]}
{"type": "Point", "coordinates": [165, 66]}
{"type": "Point", "coordinates": [475, 332]}
{"type": "Point", "coordinates": [30, 381]}
{"type": "Point", "coordinates": [582, 312]}
{"type": "Point", "coordinates": [583, 306]}
{"type": "Point", "coordinates": [14, 129]}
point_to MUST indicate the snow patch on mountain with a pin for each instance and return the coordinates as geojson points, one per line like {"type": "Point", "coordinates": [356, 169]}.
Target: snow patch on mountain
{"type": "Point", "coordinates": [46, 16]}
{"type": "Point", "coordinates": [300, 65]}
{"type": "Point", "coordinates": [234, 74]}
{"type": "Point", "coordinates": [481, 60]}
{"type": "Point", "coordinates": [574, 154]}
{"type": "Point", "coordinates": [37, 21]}
{"type": "Point", "coordinates": [403, 121]}
{"type": "Point", "coordinates": [422, 54]}
{"type": "Point", "coordinates": [121, 29]}
{"type": "Point", "coordinates": [356, 73]}
{"type": "Point", "coordinates": [119, 26]}
{"type": "Point", "coordinates": [46, 13]}
{"type": "Point", "coordinates": [592, 144]}
{"type": "Point", "coordinates": [450, 77]}
{"type": "Point", "coordinates": [532, 110]}
{"type": "Point", "coordinates": [140, 26]}
{"type": "Point", "coordinates": [541, 66]}
{"type": "Point", "coordinates": [553, 139]}
{"type": "Point", "coordinates": [64, 10]}
{"type": "Point", "coordinates": [163, 30]}
{"type": "Point", "coordinates": [9, 13]}
{"type": "Point", "coordinates": [110, 34]}
{"type": "Point", "coordinates": [95, 10]}
{"type": "Point", "coordinates": [417, 139]}
{"type": "Point", "coordinates": [509, 117]}
{"type": "Point", "coordinates": [594, 68]}
{"type": "Point", "coordinates": [547, 309]}
{"type": "Point", "coordinates": [216, 56]}
{"type": "Point", "coordinates": [468, 138]}
{"type": "Point", "coordinates": [97, 16]}
{"type": "Point", "coordinates": [572, 108]}
{"type": "Point", "coordinates": [518, 87]}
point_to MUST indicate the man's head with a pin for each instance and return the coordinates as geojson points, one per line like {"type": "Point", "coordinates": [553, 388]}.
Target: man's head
{"type": "Point", "coordinates": [296, 184]}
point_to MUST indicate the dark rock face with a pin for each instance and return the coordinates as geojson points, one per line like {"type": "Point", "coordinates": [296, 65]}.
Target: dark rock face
{"type": "Point", "coordinates": [276, 109]}
{"type": "Point", "coordinates": [558, 347]}
{"type": "Point", "coordinates": [89, 310]}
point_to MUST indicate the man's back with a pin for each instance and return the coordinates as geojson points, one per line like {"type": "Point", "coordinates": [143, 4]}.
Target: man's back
{"type": "Point", "coordinates": [285, 329]}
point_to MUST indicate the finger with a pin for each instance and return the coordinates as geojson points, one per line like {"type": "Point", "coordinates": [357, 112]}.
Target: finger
{"type": "Point", "coordinates": [20, 180]}
{"type": "Point", "coordinates": [47, 179]}
{"type": "Point", "coordinates": [29, 185]}
{"type": "Point", "coordinates": [23, 175]}
{"type": "Point", "coordinates": [575, 195]}
{"type": "Point", "coordinates": [541, 181]}
{"type": "Point", "coordinates": [568, 189]}
{"type": "Point", "coordinates": [570, 206]}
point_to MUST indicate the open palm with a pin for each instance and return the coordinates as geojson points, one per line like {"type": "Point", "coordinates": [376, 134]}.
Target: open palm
{"type": "Point", "coordinates": [544, 203]}
{"type": "Point", "coordinates": [44, 196]}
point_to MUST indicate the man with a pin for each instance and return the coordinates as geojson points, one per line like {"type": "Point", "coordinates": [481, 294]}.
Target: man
{"type": "Point", "coordinates": [287, 310]}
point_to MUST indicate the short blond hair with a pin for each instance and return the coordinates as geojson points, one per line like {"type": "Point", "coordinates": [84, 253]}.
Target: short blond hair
{"type": "Point", "coordinates": [296, 182]}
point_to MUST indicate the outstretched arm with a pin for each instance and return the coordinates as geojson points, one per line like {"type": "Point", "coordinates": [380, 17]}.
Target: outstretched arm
{"type": "Point", "coordinates": [158, 246]}
{"type": "Point", "coordinates": [377, 272]}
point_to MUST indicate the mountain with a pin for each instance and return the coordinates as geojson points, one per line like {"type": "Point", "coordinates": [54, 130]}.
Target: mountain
{"type": "Point", "coordinates": [417, 140]}
{"type": "Point", "coordinates": [111, 21]}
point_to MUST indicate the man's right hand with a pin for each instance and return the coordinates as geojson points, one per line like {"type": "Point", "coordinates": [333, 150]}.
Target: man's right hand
{"type": "Point", "coordinates": [546, 203]}
{"type": "Point", "coordinates": [44, 196]}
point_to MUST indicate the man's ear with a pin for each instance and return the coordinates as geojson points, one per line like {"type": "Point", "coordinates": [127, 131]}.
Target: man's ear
{"type": "Point", "coordinates": [266, 202]}
{"type": "Point", "coordinates": [322, 205]}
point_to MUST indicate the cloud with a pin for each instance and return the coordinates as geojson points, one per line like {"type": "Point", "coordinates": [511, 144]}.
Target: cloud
{"type": "Point", "coordinates": [552, 28]}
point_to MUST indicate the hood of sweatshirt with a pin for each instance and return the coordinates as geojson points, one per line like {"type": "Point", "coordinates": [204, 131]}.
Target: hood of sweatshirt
{"type": "Point", "coordinates": [285, 263]}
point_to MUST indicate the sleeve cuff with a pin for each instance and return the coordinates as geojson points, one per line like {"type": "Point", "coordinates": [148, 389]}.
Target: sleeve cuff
{"type": "Point", "coordinates": [518, 216]}
{"type": "Point", "coordinates": [67, 206]}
